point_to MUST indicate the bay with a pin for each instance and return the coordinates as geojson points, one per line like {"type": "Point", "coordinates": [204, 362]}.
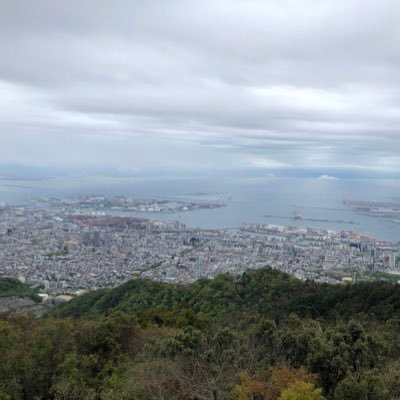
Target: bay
{"type": "Point", "coordinates": [266, 200]}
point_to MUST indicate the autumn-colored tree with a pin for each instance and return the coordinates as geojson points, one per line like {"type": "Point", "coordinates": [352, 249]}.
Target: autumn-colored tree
{"type": "Point", "coordinates": [281, 378]}
{"type": "Point", "coordinates": [302, 391]}
{"type": "Point", "coordinates": [250, 388]}
{"type": "Point", "coordinates": [284, 377]}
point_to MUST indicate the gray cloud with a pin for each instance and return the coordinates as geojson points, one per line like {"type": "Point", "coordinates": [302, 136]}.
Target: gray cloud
{"type": "Point", "coordinates": [188, 85]}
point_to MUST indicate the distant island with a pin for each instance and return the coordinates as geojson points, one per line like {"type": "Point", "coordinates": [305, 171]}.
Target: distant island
{"type": "Point", "coordinates": [129, 204]}
{"type": "Point", "coordinates": [381, 209]}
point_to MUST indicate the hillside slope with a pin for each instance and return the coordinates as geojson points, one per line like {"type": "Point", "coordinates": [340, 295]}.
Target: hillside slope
{"type": "Point", "coordinates": [268, 292]}
{"type": "Point", "coordinates": [10, 287]}
{"type": "Point", "coordinates": [263, 335]}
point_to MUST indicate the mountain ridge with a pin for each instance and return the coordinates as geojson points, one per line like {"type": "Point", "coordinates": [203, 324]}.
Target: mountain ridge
{"type": "Point", "coordinates": [268, 292]}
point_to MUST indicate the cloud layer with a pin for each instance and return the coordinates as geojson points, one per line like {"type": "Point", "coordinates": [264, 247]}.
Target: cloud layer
{"type": "Point", "coordinates": [201, 85]}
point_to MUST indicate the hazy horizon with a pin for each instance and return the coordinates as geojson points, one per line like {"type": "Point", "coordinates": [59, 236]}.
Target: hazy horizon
{"type": "Point", "coordinates": [288, 88]}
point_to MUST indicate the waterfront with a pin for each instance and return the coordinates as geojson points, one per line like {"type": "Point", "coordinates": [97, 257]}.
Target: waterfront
{"type": "Point", "coordinates": [66, 246]}
{"type": "Point", "coordinates": [248, 200]}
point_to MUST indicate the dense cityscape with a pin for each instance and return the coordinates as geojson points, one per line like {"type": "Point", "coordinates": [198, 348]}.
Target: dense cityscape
{"type": "Point", "coordinates": [68, 246]}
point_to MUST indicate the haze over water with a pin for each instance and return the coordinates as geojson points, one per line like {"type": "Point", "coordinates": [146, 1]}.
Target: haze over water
{"type": "Point", "coordinates": [256, 200]}
{"type": "Point", "coordinates": [241, 89]}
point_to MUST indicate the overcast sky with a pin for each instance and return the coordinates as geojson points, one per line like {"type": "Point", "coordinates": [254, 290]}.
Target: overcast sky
{"type": "Point", "coordinates": [206, 85]}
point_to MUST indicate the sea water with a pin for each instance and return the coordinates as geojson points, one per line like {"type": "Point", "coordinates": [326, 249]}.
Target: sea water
{"type": "Point", "coordinates": [266, 200]}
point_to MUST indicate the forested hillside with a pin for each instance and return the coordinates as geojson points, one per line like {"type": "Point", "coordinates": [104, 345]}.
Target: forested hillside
{"type": "Point", "coordinates": [261, 336]}
{"type": "Point", "coordinates": [13, 287]}
{"type": "Point", "coordinates": [267, 292]}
